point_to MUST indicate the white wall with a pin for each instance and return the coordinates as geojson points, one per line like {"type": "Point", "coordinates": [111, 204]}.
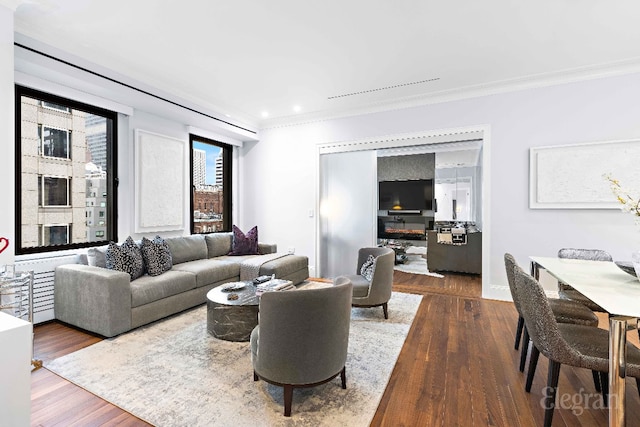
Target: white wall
{"type": "Point", "coordinates": [7, 138]}
{"type": "Point", "coordinates": [595, 110]}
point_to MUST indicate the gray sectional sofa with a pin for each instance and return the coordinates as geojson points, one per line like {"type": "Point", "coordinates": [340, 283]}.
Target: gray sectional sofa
{"type": "Point", "coordinates": [108, 302]}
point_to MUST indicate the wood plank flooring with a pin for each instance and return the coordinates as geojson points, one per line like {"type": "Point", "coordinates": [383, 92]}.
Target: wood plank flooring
{"type": "Point", "coordinates": [457, 368]}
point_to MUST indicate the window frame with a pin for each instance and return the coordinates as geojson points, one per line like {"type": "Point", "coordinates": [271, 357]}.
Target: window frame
{"type": "Point", "coordinates": [227, 155]}
{"type": "Point", "coordinates": [111, 233]}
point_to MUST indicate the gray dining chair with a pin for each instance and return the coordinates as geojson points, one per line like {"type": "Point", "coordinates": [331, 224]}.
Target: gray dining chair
{"type": "Point", "coordinates": [563, 343]}
{"type": "Point", "coordinates": [565, 291]}
{"type": "Point", "coordinates": [302, 337]}
{"type": "Point", "coordinates": [564, 311]}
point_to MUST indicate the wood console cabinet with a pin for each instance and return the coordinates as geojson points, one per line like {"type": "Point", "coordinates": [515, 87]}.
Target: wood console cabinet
{"type": "Point", "coordinates": [455, 258]}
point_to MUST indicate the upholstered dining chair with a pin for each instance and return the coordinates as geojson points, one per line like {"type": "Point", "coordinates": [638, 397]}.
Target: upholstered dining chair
{"type": "Point", "coordinates": [565, 291]}
{"type": "Point", "coordinates": [563, 343]}
{"type": "Point", "coordinates": [372, 283]}
{"type": "Point", "coordinates": [302, 337]}
{"type": "Point", "coordinates": [564, 311]}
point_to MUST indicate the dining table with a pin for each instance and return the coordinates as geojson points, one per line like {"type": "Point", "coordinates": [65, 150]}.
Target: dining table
{"type": "Point", "coordinates": [618, 292]}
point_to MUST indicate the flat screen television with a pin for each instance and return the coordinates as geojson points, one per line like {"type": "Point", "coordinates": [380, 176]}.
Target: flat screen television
{"type": "Point", "coordinates": [405, 195]}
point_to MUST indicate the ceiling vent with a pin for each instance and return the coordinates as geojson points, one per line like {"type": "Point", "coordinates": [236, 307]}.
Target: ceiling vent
{"type": "Point", "coordinates": [383, 88]}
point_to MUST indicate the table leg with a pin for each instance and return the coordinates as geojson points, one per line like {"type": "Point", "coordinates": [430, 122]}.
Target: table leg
{"type": "Point", "coordinates": [617, 369]}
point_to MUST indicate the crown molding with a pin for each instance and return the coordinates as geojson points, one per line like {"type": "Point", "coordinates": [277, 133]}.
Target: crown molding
{"type": "Point", "coordinates": [555, 78]}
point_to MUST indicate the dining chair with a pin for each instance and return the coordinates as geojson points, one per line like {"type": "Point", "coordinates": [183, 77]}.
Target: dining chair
{"type": "Point", "coordinates": [563, 343]}
{"type": "Point", "coordinates": [565, 291]}
{"type": "Point", "coordinates": [564, 311]}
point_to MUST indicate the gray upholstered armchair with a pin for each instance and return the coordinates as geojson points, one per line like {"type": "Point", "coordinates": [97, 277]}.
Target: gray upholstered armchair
{"type": "Point", "coordinates": [376, 292]}
{"type": "Point", "coordinates": [302, 337]}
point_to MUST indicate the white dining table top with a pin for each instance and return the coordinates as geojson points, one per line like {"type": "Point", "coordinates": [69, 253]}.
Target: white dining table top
{"type": "Point", "coordinates": [602, 282]}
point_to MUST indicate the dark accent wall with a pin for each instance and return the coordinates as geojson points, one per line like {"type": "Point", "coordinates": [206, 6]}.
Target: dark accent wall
{"type": "Point", "coordinates": [413, 166]}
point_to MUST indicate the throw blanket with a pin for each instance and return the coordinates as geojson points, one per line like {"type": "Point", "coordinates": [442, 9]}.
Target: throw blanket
{"type": "Point", "coordinates": [250, 269]}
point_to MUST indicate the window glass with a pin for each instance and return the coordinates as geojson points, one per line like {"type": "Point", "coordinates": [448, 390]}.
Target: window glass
{"type": "Point", "coordinates": [55, 142]}
{"type": "Point", "coordinates": [55, 235]}
{"type": "Point", "coordinates": [53, 191]}
{"type": "Point", "coordinates": [65, 173]}
{"type": "Point", "coordinates": [211, 184]}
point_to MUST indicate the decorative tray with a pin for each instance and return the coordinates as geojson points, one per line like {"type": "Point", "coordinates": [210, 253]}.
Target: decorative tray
{"type": "Point", "coordinates": [233, 286]}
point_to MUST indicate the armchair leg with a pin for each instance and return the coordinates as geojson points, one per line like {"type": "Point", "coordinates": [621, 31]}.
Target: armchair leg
{"type": "Point", "coordinates": [288, 398]}
{"type": "Point", "coordinates": [255, 376]}
{"type": "Point", "coordinates": [343, 377]}
{"type": "Point", "coordinates": [384, 309]}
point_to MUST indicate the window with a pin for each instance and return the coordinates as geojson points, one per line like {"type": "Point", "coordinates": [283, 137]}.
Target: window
{"type": "Point", "coordinates": [211, 185]}
{"type": "Point", "coordinates": [53, 191]}
{"type": "Point", "coordinates": [54, 142]}
{"type": "Point", "coordinates": [54, 234]}
{"type": "Point", "coordinates": [66, 155]}
{"type": "Point", "coordinates": [54, 106]}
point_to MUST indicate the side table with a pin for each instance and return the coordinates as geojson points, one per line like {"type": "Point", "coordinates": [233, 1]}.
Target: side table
{"type": "Point", "coordinates": [232, 319]}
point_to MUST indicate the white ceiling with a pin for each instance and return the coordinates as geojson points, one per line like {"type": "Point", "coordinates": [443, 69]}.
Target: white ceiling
{"type": "Point", "coordinates": [334, 57]}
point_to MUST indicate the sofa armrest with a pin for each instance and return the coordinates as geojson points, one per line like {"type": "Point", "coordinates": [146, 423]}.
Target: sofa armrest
{"type": "Point", "coordinates": [267, 248]}
{"type": "Point", "coordinates": [93, 298]}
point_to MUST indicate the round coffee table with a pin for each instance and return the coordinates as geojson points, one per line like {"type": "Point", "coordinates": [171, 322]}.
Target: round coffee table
{"type": "Point", "coordinates": [229, 319]}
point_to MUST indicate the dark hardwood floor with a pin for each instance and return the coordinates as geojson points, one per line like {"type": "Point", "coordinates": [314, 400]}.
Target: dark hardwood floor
{"type": "Point", "coordinates": [457, 368]}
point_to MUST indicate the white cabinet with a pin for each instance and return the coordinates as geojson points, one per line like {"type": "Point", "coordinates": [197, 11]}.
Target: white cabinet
{"type": "Point", "coordinates": [15, 371]}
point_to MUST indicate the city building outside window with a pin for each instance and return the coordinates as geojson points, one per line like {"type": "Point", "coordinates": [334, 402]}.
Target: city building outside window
{"type": "Point", "coordinates": [66, 173]}
{"type": "Point", "coordinates": [211, 186]}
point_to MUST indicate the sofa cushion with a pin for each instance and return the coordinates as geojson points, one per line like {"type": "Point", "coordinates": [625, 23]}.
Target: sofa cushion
{"type": "Point", "coordinates": [208, 271]}
{"type": "Point", "coordinates": [96, 256]}
{"type": "Point", "coordinates": [157, 255]}
{"type": "Point", "coordinates": [218, 244]}
{"type": "Point", "coordinates": [187, 248]}
{"type": "Point", "coordinates": [244, 244]}
{"type": "Point", "coordinates": [285, 266]}
{"type": "Point", "coordinates": [148, 289]}
{"type": "Point", "coordinates": [126, 258]}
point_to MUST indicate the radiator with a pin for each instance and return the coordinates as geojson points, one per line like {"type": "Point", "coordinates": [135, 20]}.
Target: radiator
{"type": "Point", "coordinates": [43, 275]}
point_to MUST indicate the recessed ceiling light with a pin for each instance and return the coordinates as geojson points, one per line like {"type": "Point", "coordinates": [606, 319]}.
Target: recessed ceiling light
{"type": "Point", "coordinates": [265, 114]}
{"type": "Point", "coordinates": [296, 108]}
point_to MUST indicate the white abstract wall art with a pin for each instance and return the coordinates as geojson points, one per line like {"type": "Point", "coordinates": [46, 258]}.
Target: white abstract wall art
{"type": "Point", "coordinates": [571, 176]}
{"type": "Point", "coordinates": [160, 182]}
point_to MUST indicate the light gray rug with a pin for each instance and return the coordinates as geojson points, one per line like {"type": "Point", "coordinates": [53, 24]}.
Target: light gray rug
{"type": "Point", "coordinates": [173, 373]}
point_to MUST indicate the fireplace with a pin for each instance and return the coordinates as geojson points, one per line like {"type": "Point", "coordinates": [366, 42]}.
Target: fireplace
{"type": "Point", "coordinates": [402, 230]}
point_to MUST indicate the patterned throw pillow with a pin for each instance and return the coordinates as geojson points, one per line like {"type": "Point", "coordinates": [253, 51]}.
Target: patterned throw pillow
{"type": "Point", "coordinates": [367, 268]}
{"type": "Point", "coordinates": [156, 255]}
{"type": "Point", "coordinates": [126, 258]}
{"type": "Point", "coordinates": [244, 244]}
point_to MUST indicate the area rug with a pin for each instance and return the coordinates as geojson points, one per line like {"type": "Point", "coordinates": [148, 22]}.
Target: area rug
{"type": "Point", "coordinates": [416, 263]}
{"type": "Point", "coordinates": [173, 373]}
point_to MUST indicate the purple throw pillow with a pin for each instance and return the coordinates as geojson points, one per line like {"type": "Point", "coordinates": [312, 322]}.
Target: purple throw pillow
{"type": "Point", "coordinates": [244, 244]}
